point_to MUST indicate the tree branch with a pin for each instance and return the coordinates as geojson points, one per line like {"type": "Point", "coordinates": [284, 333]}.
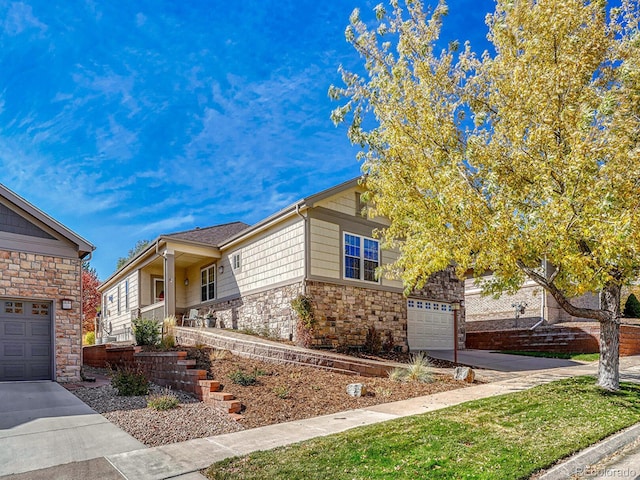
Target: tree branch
{"type": "Point", "coordinates": [559, 297]}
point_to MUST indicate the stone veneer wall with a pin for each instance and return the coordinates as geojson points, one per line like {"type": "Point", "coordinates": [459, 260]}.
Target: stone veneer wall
{"type": "Point", "coordinates": [267, 312]}
{"type": "Point", "coordinates": [42, 277]}
{"type": "Point", "coordinates": [344, 312]}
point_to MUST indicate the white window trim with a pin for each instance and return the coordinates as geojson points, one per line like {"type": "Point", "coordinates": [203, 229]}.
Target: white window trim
{"type": "Point", "coordinates": [344, 263]}
{"type": "Point", "coordinates": [215, 279]}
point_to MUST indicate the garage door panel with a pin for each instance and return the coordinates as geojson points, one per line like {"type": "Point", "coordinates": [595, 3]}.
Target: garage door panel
{"type": "Point", "coordinates": [25, 340]}
{"type": "Point", "coordinates": [429, 325]}
{"type": "Point", "coordinates": [13, 328]}
{"type": "Point", "coordinates": [13, 350]}
{"type": "Point", "coordinates": [40, 329]}
{"type": "Point", "coordinates": [40, 350]}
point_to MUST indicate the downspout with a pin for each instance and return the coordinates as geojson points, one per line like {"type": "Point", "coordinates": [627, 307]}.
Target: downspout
{"type": "Point", "coordinates": [305, 258]}
{"type": "Point", "coordinates": [304, 219]}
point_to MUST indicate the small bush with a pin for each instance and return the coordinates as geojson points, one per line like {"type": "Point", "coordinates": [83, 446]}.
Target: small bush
{"type": "Point", "coordinates": [243, 378]}
{"type": "Point", "coordinates": [372, 342]}
{"type": "Point", "coordinates": [306, 321]}
{"type": "Point", "coordinates": [165, 400]}
{"type": "Point", "coordinates": [632, 307]}
{"type": "Point", "coordinates": [218, 355]}
{"type": "Point", "coordinates": [281, 391]}
{"type": "Point", "coordinates": [129, 382]}
{"type": "Point", "coordinates": [388, 344]}
{"type": "Point", "coordinates": [168, 326]}
{"type": "Point", "coordinates": [168, 342]}
{"type": "Point", "coordinates": [89, 338]}
{"type": "Point", "coordinates": [419, 370]}
{"type": "Point", "coordinates": [146, 331]}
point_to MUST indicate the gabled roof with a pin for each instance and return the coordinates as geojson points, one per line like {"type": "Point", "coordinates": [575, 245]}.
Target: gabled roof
{"type": "Point", "coordinates": [213, 236]}
{"type": "Point", "coordinates": [306, 202]}
{"type": "Point", "coordinates": [84, 247]}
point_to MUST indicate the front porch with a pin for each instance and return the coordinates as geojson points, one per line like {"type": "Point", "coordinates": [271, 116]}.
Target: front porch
{"type": "Point", "coordinates": [178, 279]}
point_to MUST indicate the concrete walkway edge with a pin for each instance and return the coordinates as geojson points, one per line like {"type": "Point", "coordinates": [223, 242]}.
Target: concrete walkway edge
{"type": "Point", "coordinates": [577, 463]}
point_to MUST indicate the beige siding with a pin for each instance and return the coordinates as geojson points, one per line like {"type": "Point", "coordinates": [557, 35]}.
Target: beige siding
{"type": "Point", "coordinates": [344, 202]}
{"type": "Point", "coordinates": [325, 249]}
{"type": "Point", "coordinates": [146, 285]}
{"type": "Point", "coordinates": [119, 321]}
{"type": "Point", "coordinates": [274, 256]}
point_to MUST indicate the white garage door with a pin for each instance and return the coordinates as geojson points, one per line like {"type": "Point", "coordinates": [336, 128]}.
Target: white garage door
{"type": "Point", "coordinates": [25, 340]}
{"type": "Point", "coordinates": [429, 325]}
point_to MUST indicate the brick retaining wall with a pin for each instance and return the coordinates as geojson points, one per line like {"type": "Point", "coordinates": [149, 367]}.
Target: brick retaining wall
{"type": "Point", "coordinates": [577, 338]}
{"type": "Point", "coordinates": [103, 356]}
{"type": "Point", "coordinates": [168, 369]}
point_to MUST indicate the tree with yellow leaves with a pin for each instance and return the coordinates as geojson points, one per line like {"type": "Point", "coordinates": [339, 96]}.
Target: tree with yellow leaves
{"type": "Point", "coordinates": [508, 161]}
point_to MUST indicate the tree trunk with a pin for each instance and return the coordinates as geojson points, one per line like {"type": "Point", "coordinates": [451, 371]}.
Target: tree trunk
{"type": "Point", "coordinates": [609, 366]}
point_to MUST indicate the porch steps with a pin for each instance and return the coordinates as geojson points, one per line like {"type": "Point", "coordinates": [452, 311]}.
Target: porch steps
{"type": "Point", "coordinates": [276, 352]}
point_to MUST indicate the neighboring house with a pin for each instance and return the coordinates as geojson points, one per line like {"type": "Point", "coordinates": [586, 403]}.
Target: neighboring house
{"type": "Point", "coordinates": [40, 294]}
{"type": "Point", "coordinates": [533, 302]}
{"type": "Point", "coordinates": [246, 276]}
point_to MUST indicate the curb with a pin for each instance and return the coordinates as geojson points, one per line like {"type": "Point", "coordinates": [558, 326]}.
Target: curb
{"type": "Point", "coordinates": [578, 463]}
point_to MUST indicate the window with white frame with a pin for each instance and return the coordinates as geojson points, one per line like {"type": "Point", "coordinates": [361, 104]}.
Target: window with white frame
{"type": "Point", "coordinates": [236, 261]}
{"type": "Point", "coordinates": [208, 283]}
{"type": "Point", "coordinates": [361, 257]}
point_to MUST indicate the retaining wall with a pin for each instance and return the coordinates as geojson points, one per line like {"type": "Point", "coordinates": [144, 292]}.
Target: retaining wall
{"type": "Point", "coordinates": [577, 338]}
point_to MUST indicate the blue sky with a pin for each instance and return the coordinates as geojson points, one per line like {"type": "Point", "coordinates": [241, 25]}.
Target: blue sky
{"type": "Point", "coordinates": [125, 120]}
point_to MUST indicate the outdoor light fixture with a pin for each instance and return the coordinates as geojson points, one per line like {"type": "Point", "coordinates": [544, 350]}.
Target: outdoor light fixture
{"type": "Point", "coordinates": [186, 282]}
{"type": "Point", "coordinates": [66, 304]}
{"type": "Point", "coordinates": [221, 269]}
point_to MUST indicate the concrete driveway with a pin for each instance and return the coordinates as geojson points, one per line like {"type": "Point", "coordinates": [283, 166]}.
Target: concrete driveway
{"type": "Point", "coordinates": [502, 362]}
{"type": "Point", "coordinates": [44, 425]}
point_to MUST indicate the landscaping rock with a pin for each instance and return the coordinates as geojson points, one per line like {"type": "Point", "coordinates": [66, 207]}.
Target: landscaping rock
{"type": "Point", "coordinates": [357, 389]}
{"type": "Point", "coordinates": [464, 374]}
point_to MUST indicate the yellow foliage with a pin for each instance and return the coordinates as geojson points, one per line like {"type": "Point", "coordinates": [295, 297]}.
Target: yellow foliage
{"type": "Point", "coordinates": [497, 162]}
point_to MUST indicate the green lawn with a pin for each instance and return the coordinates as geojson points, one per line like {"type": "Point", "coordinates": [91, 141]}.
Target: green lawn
{"type": "Point", "coordinates": [505, 437]}
{"type": "Point", "coordinates": [583, 357]}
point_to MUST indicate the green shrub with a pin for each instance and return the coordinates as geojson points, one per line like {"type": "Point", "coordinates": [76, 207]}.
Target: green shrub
{"type": "Point", "coordinates": [146, 331]}
{"type": "Point", "coordinates": [168, 342]}
{"type": "Point", "coordinates": [89, 338]}
{"type": "Point", "coordinates": [372, 342]}
{"type": "Point", "coordinates": [165, 400]}
{"type": "Point", "coordinates": [129, 382]}
{"type": "Point", "coordinates": [419, 370]}
{"type": "Point", "coordinates": [281, 391]}
{"type": "Point", "coordinates": [306, 321]}
{"type": "Point", "coordinates": [245, 379]}
{"type": "Point", "coordinates": [632, 307]}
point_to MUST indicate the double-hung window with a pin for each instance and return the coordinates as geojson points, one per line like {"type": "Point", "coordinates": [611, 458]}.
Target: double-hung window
{"type": "Point", "coordinates": [361, 257]}
{"type": "Point", "coordinates": [208, 283]}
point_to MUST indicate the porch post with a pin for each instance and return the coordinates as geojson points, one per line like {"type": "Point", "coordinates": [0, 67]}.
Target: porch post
{"type": "Point", "coordinates": [169, 283]}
